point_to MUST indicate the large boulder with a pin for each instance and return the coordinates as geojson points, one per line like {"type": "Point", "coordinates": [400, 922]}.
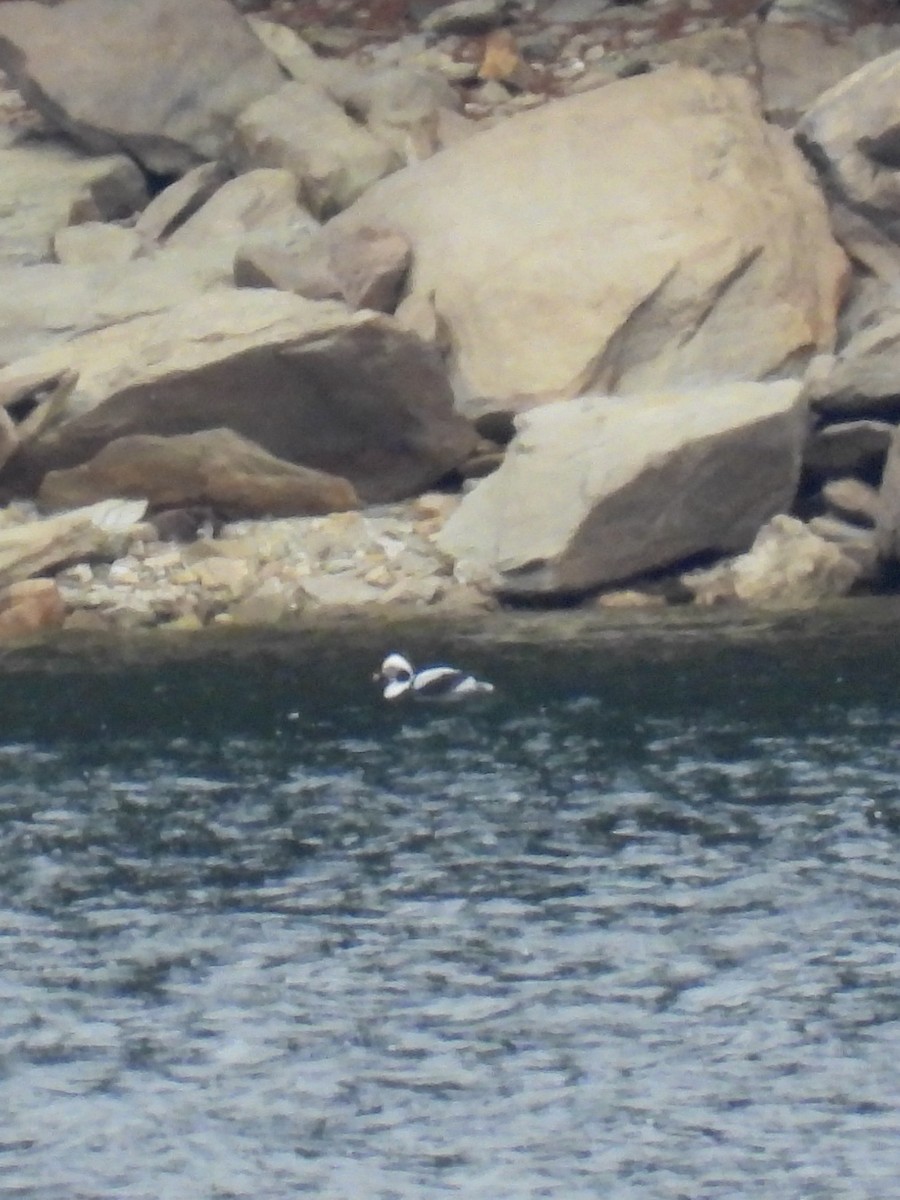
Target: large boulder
{"type": "Point", "coordinates": [47, 186]}
{"type": "Point", "coordinates": [348, 393]}
{"type": "Point", "coordinates": [852, 134]}
{"type": "Point", "coordinates": [655, 232]}
{"type": "Point", "coordinates": [158, 79]}
{"type": "Point", "coordinates": [214, 467]}
{"type": "Point", "coordinates": [601, 489]}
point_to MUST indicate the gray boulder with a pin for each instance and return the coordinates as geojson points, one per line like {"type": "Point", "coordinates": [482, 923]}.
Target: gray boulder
{"type": "Point", "coordinates": [347, 393]}
{"type": "Point", "coordinates": [598, 490]}
{"type": "Point", "coordinates": [160, 80]}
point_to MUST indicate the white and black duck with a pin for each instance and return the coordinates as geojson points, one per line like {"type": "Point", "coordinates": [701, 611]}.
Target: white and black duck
{"type": "Point", "coordinates": [401, 679]}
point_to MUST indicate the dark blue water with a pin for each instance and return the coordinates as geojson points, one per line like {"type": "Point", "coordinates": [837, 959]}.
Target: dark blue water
{"type": "Point", "coordinates": [628, 930]}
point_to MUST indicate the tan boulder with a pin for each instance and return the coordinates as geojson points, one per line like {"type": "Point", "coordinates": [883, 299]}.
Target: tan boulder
{"type": "Point", "coordinates": [351, 394]}
{"type": "Point", "coordinates": [214, 467]}
{"type": "Point", "coordinates": [601, 489]}
{"type": "Point", "coordinates": [653, 233]}
{"type": "Point", "coordinates": [161, 80]}
{"type": "Point", "coordinates": [29, 607]}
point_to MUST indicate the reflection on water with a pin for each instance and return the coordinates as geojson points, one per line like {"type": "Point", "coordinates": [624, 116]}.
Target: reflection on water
{"type": "Point", "coordinates": [627, 930]}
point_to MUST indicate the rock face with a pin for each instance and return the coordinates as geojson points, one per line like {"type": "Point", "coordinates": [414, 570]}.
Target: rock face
{"type": "Point", "coordinates": [598, 490]}
{"type": "Point", "coordinates": [347, 393]}
{"type": "Point", "coordinates": [655, 232]}
{"type": "Point", "coordinates": [169, 106]}
{"type": "Point", "coordinates": [214, 467]}
{"type": "Point", "coordinates": [851, 133]}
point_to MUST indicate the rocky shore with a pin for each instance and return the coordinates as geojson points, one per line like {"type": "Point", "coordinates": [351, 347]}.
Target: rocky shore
{"type": "Point", "coordinates": [439, 308]}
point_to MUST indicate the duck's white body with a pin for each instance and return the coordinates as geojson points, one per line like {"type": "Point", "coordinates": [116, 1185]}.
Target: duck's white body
{"type": "Point", "coordinates": [432, 683]}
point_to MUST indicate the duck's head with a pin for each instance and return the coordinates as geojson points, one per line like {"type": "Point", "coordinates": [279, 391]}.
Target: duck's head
{"type": "Point", "coordinates": [396, 674]}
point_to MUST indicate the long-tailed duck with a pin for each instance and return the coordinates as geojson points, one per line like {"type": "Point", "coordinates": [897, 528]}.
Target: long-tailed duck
{"type": "Point", "coordinates": [432, 683]}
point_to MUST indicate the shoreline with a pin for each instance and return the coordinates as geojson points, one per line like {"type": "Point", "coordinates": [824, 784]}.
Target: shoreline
{"type": "Point", "coordinates": [361, 636]}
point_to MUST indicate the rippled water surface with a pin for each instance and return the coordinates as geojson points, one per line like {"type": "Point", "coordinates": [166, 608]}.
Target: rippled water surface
{"type": "Point", "coordinates": [626, 930]}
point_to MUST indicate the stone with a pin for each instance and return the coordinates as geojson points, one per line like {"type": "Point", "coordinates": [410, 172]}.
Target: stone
{"type": "Point", "coordinates": [788, 566]}
{"type": "Point", "coordinates": [835, 12]}
{"type": "Point", "coordinates": [255, 205]}
{"type": "Point", "coordinates": [100, 530]}
{"type": "Point", "coordinates": [467, 17]}
{"type": "Point", "coordinates": [868, 246]}
{"type": "Point", "coordinates": [852, 500]}
{"type": "Point", "coordinates": [852, 135]}
{"type": "Point", "coordinates": [301, 129]}
{"type": "Point", "coordinates": [671, 270]}
{"type": "Point", "coordinates": [171, 207]}
{"type": "Point", "coordinates": [9, 439]}
{"type": "Point", "coordinates": [351, 394]}
{"type": "Point", "coordinates": [798, 63]}
{"type": "Point", "coordinates": [169, 106]}
{"type": "Point", "coordinates": [599, 490]}
{"type": "Point", "coordinates": [857, 543]}
{"type": "Point", "coordinates": [401, 106]}
{"type": "Point", "coordinates": [366, 269]}
{"type": "Point", "coordinates": [370, 266]}
{"type": "Point", "coordinates": [96, 242]}
{"type": "Point", "coordinates": [291, 260]}
{"type": "Point", "coordinates": [864, 379]}
{"type": "Point", "coordinates": [847, 447]}
{"type": "Point", "coordinates": [46, 186]}
{"type": "Point", "coordinates": [215, 468]}
{"type": "Point", "coordinates": [29, 607]}
{"type": "Point", "coordinates": [887, 526]}
{"type": "Point", "coordinates": [47, 304]}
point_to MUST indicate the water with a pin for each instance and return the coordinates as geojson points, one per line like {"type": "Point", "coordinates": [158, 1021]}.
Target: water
{"type": "Point", "coordinates": [627, 930]}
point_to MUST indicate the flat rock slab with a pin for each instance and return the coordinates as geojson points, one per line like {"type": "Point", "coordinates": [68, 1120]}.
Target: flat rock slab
{"type": "Point", "coordinates": [351, 394]}
{"type": "Point", "coordinates": [215, 467]}
{"type": "Point", "coordinates": [46, 304]}
{"type": "Point", "coordinates": [160, 80]}
{"type": "Point", "coordinates": [598, 490]}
